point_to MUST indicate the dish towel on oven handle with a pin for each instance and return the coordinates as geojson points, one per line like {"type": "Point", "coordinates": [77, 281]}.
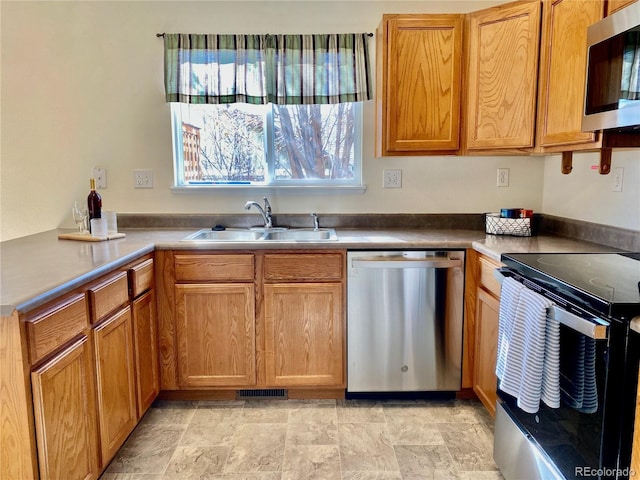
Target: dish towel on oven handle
{"type": "Point", "coordinates": [578, 387]}
{"type": "Point", "coordinates": [528, 356]}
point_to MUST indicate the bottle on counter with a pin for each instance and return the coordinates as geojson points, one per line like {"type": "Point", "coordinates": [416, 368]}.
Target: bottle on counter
{"type": "Point", "coordinates": [94, 202]}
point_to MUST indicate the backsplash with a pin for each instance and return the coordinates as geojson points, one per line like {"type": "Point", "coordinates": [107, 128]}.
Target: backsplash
{"type": "Point", "coordinates": [546, 224]}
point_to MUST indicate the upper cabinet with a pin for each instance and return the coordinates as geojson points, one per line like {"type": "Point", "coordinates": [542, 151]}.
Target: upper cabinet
{"type": "Point", "coordinates": [418, 82]}
{"type": "Point", "coordinates": [502, 73]}
{"type": "Point", "coordinates": [562, 74]}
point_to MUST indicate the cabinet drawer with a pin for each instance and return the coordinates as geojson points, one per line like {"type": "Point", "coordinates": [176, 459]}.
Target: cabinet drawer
{"type": "Point", "coordinates": [56, 326]}
{"type": "Point", "coordinates": [304, 266]}
{"type": "Point", "coordinates": [487, 280]}
{"type": "Point", "coordinates": [141, 277]}
{"type": "Point", "coordinates": [108, 295]}
{"type": "Point", "coordinates": [213, 268]}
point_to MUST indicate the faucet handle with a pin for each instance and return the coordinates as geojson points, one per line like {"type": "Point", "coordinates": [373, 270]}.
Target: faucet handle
{"type": "Point", "coordinates": [316, 223]}
{"type": "Point", "coordinates": [267, 205]}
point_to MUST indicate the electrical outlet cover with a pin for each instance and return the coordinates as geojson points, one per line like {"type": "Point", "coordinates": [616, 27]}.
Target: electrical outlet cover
{"type": "Point", "coordinates": [392, 178]}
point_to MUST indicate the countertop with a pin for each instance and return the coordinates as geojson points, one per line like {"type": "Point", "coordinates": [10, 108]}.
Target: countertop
{"type": "Point", "coordinates": [38, 268]}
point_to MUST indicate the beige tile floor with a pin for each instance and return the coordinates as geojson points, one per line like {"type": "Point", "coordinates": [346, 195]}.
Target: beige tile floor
{"type": "Point", "coordinates": [309, 440]}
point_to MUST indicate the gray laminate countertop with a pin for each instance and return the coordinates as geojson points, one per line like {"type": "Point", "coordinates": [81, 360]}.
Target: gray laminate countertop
{"type": "Point", "coordinates": [38, 268]}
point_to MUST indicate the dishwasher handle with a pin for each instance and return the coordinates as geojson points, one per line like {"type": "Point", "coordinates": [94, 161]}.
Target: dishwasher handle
{"type": "Point", "coordinates": [397, 261]}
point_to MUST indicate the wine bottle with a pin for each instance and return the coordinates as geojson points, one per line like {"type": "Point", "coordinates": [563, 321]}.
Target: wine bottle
{"type": "Point", "coordinates": [94, 201]}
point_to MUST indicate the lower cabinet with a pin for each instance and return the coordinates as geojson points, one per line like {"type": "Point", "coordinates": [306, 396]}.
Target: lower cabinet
{"type": "Point", "coordinates": [65, 414]}
{"type": "Point", "coordinates": [262, 319]}
{"type": "Point", "coordinates": [215, 326]}
{"type": "Point", "coordinates": [486, 338]}
{"type": "Point", "coordinates": [303, 334]}
{"type": "Point", "coordinates": [117, 414]}
{"type": "Point", "coordinates": [145, 340]}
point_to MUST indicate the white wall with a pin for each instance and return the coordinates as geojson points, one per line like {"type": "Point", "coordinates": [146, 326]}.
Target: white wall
{"type": "Point", "coordinates": [586, 195]}
{"type": "Point", "coordinates": [82, 86]}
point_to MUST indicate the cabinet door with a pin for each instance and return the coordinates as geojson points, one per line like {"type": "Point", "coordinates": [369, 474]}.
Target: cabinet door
{"type": "Point", "coordinates": [304, 334]}
{"type": "Point", "coordinates": [215, 326]}
{"type": "Point", "coordinates": [418, 84]}
{"type": "Point", "coordinates": [615, 5]}
{"type": "Point", "coordinates": [563, 58]}
{"type": "Point", "coordinates": [502, 77]}
{"type": "Point", "coordinates": [145, 339]}
{"type": "Point", "coordinates": [65, 415]}
{"type": "Point", "coordinates": [486, 342]}
{"type": "Point", "coordinates": [113, 340]}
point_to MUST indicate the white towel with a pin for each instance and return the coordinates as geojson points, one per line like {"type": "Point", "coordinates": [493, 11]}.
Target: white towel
{"type": "Point", "coordinates": [528, 363]}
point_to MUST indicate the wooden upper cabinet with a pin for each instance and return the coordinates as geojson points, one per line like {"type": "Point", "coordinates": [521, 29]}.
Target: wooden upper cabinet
{"type": "Point", "coordinates": [502, 76]}
{"type": "Point", "coordinates": [562, 74]}
{"type": "Point", "coordinates": [418, 82]}
{"type": "Point", "coordinates": [614, 5]}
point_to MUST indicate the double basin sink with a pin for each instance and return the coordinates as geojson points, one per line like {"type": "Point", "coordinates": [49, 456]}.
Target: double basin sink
{"type": "Point", "coordinates": [275, 234]}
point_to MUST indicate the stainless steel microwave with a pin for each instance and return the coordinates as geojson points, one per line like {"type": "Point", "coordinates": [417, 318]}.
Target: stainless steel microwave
{"type": "Point", "coordinates": [612, 93]}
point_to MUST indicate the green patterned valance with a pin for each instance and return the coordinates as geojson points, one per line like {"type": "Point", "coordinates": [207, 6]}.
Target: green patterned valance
{"type": "Point", "coordinates": [260, 69]}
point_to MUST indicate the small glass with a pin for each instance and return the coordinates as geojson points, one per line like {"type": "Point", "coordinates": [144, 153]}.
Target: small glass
{"type": "Point", "coordinates": [79, 217]}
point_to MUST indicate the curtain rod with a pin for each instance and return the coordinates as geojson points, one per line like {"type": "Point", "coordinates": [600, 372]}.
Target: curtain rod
{"type": "Point", "coordinates": [159, 35]}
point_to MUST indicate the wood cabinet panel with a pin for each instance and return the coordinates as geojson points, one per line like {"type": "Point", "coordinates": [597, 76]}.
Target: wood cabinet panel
{"type": "Point", "coordinates": [56, 326]}
{"type": "Point", "coordinates": [300, 267]}
{"type": "Point", "coordinates": [615, 5]}
{"type": "Point", "coordinates": [562, 72]}
{"type": "Point", "coordinates": [487, 279]}
{"type": "Point", "coordinates": [212, 268]}
{"type": "Point", "coordinates": [304, 334]}
{"type": "Point", "coordinates": [215, 326]}
{"type": "Point", "coordinates": [145, 340]}
{"type": "Point", "coordinates": [65, 415]}
{"type": "Point", "coordinates": [107, 296]}
{"type": "Point", "coordinates": [115, 381]}
{"type": "Point", "coordinates": [502, 76]}
{"type": "Point", "coordinates": [141, 277]}
{"type": "Point", "coordinates": [419, 62]}
{"type": "Point", "coordinates": [486, 340]}
{"type": "Point", "coordinates": [635, 452]}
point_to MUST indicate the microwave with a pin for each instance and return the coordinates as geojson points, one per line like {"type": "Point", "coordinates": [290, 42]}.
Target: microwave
{"type": "Point", "coordinates": [612, 93]}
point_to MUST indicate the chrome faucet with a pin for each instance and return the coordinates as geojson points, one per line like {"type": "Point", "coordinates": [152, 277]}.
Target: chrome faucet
{"type": "Point", "coordinates": [265, 212]}
{"type": "Point", "coordinates": [316, 223]}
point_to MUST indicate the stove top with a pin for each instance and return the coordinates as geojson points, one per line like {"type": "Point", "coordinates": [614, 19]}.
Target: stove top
{"type": "Point", "coordinates": [604, 283]}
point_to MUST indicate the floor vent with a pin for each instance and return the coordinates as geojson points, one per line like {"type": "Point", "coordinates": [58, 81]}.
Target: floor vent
{"type": "Point", "coordinates": [270, 393]}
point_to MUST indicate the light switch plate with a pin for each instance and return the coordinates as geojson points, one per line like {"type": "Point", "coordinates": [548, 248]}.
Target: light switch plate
{"type": "Point", "coordinates": [100, 174]}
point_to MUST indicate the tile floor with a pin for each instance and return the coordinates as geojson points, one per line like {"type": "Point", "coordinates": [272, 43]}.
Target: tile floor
{"type": "Point", "coordinates": [309, 439]}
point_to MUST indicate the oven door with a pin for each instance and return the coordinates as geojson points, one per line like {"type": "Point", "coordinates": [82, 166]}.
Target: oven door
{"type": "Point", "coordinates": [566, 442]}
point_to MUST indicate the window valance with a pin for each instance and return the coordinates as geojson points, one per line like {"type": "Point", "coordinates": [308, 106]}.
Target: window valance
{"type": "Point", "coordinates": [260, 69]}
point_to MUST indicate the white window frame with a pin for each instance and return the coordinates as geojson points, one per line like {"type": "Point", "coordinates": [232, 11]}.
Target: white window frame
{"type": "Point", "coordinates": [354, 185]}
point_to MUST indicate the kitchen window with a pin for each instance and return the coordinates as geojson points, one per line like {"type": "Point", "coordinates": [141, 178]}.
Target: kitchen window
{"type": "Point", "coordinates": [267, 145]}
{"type": "Point", "coordinates": [266, 110]}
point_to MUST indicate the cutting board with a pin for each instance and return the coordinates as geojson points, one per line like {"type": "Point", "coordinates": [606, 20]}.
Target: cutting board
{"type": "Point", "coordinates": [86, 237]}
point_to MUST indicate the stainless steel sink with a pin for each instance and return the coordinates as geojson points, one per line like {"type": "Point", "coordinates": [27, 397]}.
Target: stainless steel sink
{"type": "Point", "coordinates": [263, 235]}
{"type": "Point", "coordinates": [229, 235]}
{"type": "Point", "coordinates": [302, 235]}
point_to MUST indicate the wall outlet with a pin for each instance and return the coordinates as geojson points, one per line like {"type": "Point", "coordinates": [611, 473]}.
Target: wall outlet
{"type": "Point", "coordinates": [503, 177]}
{"type": "Point", "coordinates": [392, 179]}
{"type": "Point", "coordinates": [143, 179]}
{"type": "Point", "coordinates": [100, 174]}
{"type": "Point", "coordinates": [618, 174]}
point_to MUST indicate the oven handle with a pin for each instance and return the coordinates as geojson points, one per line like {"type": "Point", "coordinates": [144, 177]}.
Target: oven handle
{"type": "Point", "coordinates": [595, 328]}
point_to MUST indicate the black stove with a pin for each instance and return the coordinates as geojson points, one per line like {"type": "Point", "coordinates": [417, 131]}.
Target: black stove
{"type": "Point", "coordinates": [604, 284]}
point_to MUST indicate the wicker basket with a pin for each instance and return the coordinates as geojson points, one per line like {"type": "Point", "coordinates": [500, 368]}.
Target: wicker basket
{"type": "Point", "coordinates": [517, 227]}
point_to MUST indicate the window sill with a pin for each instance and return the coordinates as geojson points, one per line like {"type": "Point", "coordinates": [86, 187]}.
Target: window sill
{"type": "Point", "coordinates": [279, 189]}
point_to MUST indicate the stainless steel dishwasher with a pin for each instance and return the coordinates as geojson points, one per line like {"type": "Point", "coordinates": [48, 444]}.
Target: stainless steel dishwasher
{"type": "Point", "coordinates": [404, 317]}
